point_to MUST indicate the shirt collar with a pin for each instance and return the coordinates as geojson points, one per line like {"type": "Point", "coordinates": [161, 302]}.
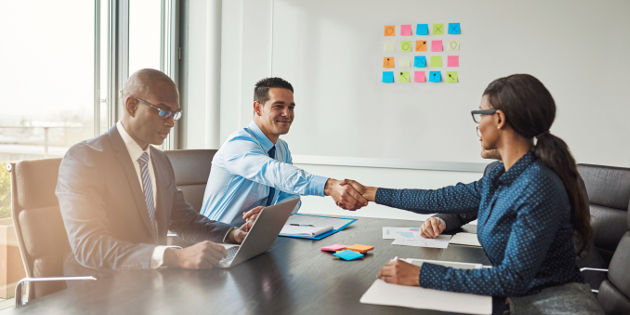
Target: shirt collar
{"type": "Point", "coordinates": [260, 136]}
{"type": "Point", "coordinates": [135, 151]}
{"type": "Point", "coordinates": [501, 177]}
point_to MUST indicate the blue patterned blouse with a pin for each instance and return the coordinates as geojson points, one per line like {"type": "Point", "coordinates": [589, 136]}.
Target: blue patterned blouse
{"type": "Point", "coordinates": [524, 227]}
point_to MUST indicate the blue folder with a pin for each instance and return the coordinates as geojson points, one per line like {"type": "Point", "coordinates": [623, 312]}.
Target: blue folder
{"type": "Point", "coordinates": [320, 236]}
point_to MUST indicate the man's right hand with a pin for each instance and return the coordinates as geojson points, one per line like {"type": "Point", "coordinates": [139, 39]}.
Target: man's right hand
{"type": "Point", "coordinates": [345, 196]}
{"type": "Point", "coordinates": [203, 255]}
{"type": "Point", "coordinates": [432, 227]}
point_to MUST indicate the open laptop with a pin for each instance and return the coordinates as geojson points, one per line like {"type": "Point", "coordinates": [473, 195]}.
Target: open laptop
{"type": "Point", "coordinates": [262, 234]}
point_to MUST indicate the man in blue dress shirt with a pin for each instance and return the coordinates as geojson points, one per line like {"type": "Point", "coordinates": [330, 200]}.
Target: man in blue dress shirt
{"type": "Point", "coordinates": [254, 168]}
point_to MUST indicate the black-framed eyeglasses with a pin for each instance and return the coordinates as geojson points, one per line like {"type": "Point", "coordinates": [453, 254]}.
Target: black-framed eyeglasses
{"type": "Point", "coordinates": [476, 114]}
{"type": "Point", "coordinates": [164, 114]}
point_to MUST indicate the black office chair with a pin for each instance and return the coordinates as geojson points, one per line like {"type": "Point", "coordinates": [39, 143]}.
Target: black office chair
{"type": "Point", "coordinates": [39, 227]}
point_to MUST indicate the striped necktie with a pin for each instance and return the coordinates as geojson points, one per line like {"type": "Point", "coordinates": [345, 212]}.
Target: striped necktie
{"type": "Point", "coordinates": [272, 191]}
{"type": "Point", "coordinates": [148, 189]}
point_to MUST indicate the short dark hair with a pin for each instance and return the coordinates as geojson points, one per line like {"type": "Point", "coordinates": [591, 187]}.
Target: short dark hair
{"type": "Point", "coordinates": [261, 89]}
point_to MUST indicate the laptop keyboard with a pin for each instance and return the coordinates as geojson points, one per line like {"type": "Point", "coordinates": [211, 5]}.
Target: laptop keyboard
{"type": "Point", "coordinates": [231, 253]}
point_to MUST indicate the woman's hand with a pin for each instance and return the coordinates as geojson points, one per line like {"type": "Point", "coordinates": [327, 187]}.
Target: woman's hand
{"type": "Point", "coordinates": [432, 227]}
{"type": "Point", "coordinates": [400, 272]}
{"type": "Point", "coordinates": [368, 192]}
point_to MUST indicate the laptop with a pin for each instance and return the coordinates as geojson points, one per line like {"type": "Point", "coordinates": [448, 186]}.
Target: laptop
{"type": "Point", "coordinates": [261, 235]}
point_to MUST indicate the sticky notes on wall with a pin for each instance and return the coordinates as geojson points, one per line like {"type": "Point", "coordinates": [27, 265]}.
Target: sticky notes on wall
{"type": "Point", "coordinates": [418, 76]}
{"type": "Point", "coordinates": [390, 30]}
{"type": "Point", "coordinates": [453, 45]}
{"type": "Point", "coordinates": [452, 61]}
{"type": "Point", "coordinates": [435, 76]}
{"type": "Point", "coordinates": [436, 61]}
{"type": "Point", "coordinates": [436, 45]}
{"type": "Point", "coordinates": [453, 28]}
{"type": "Point", "coordinates": [422, 29]}
{"type": "Point", "coordinates": [405, 30]}
{"type": "Point", "coordinates": [404, 62]}
{"type": "Point", "coordinates": [405, 46]}
{"type": "Point", "coordinates": [388, 62]}
{"type": "Point", "coordinates": [421, 45]}
{"type": "Point", "coordinates": [419, 61]}
{"type": "Point", "coordinates": [389, 46]}
{"type": "Point", "coordinates": [403, 76]}
{"type": "Point", "coordinates": [388, 76]}
{"type": "Point", "coordinates": [438, 29]}
{"type": "Point", "coordinates": [451, 76]}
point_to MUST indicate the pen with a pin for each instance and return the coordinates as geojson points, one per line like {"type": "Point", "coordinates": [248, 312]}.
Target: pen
{"type": "Point", "coordinates": [295, 224]}
{"type": "Point", "coordinates": [414, 229]}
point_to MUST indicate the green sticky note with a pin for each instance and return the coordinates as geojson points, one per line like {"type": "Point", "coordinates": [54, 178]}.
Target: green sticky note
{"type": "Point", "coordinates": [405, 45]}
{"type": "Point", "coordinates": [438, 29]}
{"type": "Point", "coordinates": [436, 61]}
{"type": "Point", "coordinates": [403, 76]}
{"type": "Point", "coordinates": [451, 76]}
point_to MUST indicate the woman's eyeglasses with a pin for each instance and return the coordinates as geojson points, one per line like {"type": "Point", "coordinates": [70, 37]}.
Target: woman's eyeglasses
{"type": "Point", "coordinates": [476, 114]}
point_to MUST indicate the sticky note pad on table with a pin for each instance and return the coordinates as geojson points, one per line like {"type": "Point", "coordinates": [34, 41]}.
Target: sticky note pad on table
{"type": "Point", "coordinates": [390, 30]}
{"type": "Point", "coordinates": [453, 28]}
{"type": "Point", "coordinates": [405, 45]}
{"type": "Point", "coordinates": [405, 30]}
{"type": "Point", "coordinates": [451, 76]}
{"type": "Point", "coordinates": [418, 76]}
{"type": "Point", "coordinates": [419, 61]}
{"type": "Point", "coordinates": [453, 45]}
{"type": "Point", "coordinates": [438, 29]}
{"type": "Point", "coordinates": [422, 29]}
{"type": "Point", "coordinates": [404, 62]}
{"type": "Point", "coordinates": [334, 248]}
{"type": "Point", "coordinates": [436, 45]}
{"type": "Point", "coordinates": [435, 76]}
{"type": "Point", "coordinates": [421, 45]}
{"type": "Point", "coordinates": [403, 76]}
{"type": "Point", "coordinates": [436, 61]}
{"type": "Point", "coordinates": [389, 46]}
{"type": "Point", "coordinates": [360, 248]}
{"type": "Point", "coordinates": [388, 62]}
{"type": "Point", "coordinates": [453, 61]}
{"type": "Point", "coordinates": [388, 76]}
{"type": "Point", "coordinates": [348, 255]}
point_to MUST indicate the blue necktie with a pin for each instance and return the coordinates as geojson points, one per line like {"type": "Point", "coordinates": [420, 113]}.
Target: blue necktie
{"type": "Point", "coordinates": [148, 189]}
{"type": "Point", "coordinates": [272, 191]}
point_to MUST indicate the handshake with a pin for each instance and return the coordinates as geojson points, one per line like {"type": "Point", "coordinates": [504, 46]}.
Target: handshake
{"type": "Point", "coordinates": [349, 194]}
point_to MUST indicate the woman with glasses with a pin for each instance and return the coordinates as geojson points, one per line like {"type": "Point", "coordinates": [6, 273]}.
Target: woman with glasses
{"type": "Point", "coordinates": [529, 208]}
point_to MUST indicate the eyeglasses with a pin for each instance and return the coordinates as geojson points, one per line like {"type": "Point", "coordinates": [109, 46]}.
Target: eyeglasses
{"type": "Point", "coordinates": [164, 114]}
{"type": "Point", "coordinates": [476, 114]}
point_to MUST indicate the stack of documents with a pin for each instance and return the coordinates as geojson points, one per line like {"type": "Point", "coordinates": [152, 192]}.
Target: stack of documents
{"type": "Point", "coordinates": [301, 230]}
{"type": "Point", "coordinates": [408, 237]}
{"type": "Point", "coordinates": [313, 227]}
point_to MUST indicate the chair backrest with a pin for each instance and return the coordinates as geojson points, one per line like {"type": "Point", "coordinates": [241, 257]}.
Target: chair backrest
{"type": "Point", "coordinates": [38, 223]}
{"type": "Point", "coordinates": [192, 168]}
{"type": "Point", "coordinates": [608, 191]}
{"type": "Point", "coordinates": [614, 293]}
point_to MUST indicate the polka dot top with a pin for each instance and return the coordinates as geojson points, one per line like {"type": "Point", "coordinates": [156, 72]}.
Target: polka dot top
{"type": "Point", "coordinates": [523, 225]}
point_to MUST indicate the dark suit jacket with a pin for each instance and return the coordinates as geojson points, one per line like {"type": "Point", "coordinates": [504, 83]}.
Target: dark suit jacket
{"type": "Point", "coordinates": [104, 212]}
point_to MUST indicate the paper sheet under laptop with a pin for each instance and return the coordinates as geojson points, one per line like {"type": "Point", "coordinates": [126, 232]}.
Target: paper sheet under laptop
{"type": "Point", "coordinates": [465, 239]}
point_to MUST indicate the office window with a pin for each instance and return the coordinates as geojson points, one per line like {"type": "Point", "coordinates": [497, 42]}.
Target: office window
{"type": "Point", "coordinates": [144, 34]}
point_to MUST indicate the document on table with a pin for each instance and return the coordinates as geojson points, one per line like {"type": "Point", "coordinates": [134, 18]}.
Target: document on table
{"type": "Point", "coordinates": [393, 233]}
{"type": "Point", "coordinates": [439, 242]}
{"type": "Point", "coordinates": [321, 221]}
{"type": "Point", "coordinates": [382, 293]}
{"type": "Point", "coordinates": [308, 231]}
{"type": "Point", "coordinates": [465, 239]}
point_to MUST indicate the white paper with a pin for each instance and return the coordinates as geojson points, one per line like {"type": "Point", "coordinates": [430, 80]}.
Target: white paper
{"type": "Point", "coordinates": [336, 223]}
{"type": "Point", "coordinates": [304, 230]}
{"type": "Point", "coordinates": [438, 242]}
{"type": "Point", "coordinates": [392, 233]}
{"type": "Point", "coordinates": [382, 293]}
{"type": "Point", "coordinates": [453, 264]}
{"type": "Point", "coordinates": [465, 239]}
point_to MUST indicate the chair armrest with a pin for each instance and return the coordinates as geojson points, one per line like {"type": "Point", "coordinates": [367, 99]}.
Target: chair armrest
{"type": "Point", "coordinates": [593, 269]}
{"type": "Point", "coordinates": [20, 284]}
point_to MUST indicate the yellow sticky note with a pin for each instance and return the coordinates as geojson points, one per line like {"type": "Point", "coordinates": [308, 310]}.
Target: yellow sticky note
{"type": "Point", "coordinates": [453, 45]}
{"type": "Point", "coordinates": [390, 30]}
{"type": "Point", "coordinates": [438, 29]}
{"type": "Point", "coordinates": [451, 76]}
{"type": "Point", "coordinates": [421, 45]}
{"type": "Point", "coordinates": [405, 46]}
{"type": "Point", "coordinates": [436, 61]}
{"type": "Point", "coordinates": [389, 46]}
{"type": "Point", "coordinates": [388, 62]}
{"type": "Point", "coordinates": [403, 76]}
{"type": "Point", "coordinates": [404, 62]}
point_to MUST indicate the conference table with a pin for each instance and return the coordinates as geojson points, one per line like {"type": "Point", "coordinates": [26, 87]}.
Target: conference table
{"type": "Point", "coordinates": [294, 277]}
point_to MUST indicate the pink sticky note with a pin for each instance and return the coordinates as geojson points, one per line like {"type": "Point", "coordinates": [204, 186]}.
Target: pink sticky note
{"type": "Point", "coordinates": [405, 30]}
{"type": "Point", "coordinates": [453, 61]}
{"type": "Point", "coordinates": [334, 248]}
{"type": "Point", "coordinates": [418, 76]}
{"type": "Point", "coordinates": [436, 45]}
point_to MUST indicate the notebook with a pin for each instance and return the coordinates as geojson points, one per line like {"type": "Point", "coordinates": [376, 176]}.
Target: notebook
{"type": "Point", "coordinates": [306, 231]}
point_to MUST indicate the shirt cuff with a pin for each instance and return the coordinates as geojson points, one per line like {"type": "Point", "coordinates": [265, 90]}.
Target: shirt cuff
{"type": "Point", "coordinates": [384, 196]}
{"type": "Point", "coordinates": [316, 187]}
{"type": "Point", "coordinates": [157, 258]}
{"type": "Point", "coordinates": [225, 237]}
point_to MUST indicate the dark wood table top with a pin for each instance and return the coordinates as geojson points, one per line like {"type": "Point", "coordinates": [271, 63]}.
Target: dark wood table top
{"type": "Point", "coordinates": [294, 277]}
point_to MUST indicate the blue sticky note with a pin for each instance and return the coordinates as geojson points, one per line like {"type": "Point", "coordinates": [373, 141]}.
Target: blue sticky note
{"type": "Point", "coordinates": [422, 29]}
{"type": "Point", "coordinates": [388, 76]}
{"type": "Point", "coordinates": [435, 76]}
{"type": "Point", "coordinates": [419, 61]}
{"type": "Point", "coordinates": [453, 28]}
{"type": "Point", "coordinates": [348, 255]}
